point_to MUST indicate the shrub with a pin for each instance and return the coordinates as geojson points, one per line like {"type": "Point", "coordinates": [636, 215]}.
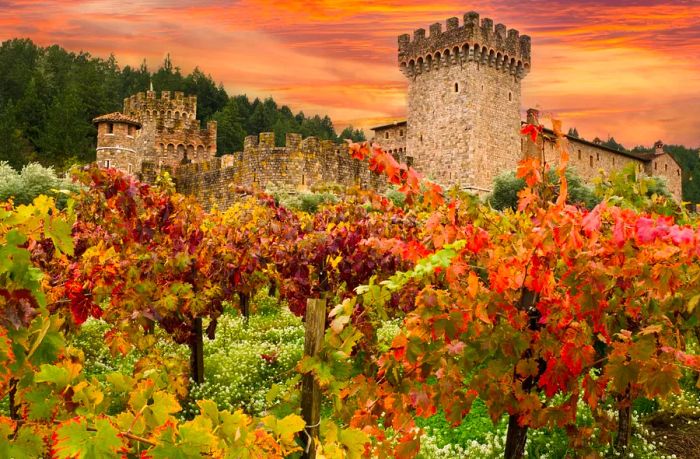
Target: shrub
{"type": "Point", "coordinates": [507, 186]}
{"type": "Point", "coordinates": [630, 188]}
{"type": "Point", "coordinates": [306, 202]}
{"type": "Point", "coordinates": [33, 180]}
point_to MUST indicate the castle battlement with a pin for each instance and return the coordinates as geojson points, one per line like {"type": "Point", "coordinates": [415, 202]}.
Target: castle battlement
{"type": "Point", "coordinates": [477, 41]}
{"type": "Point", "coordinates": [170, 105]}
{"type": "Point", "coordinates": [294, 143]}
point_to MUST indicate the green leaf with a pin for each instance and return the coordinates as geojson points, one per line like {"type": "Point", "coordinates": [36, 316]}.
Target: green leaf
{"type": "Point", "coordinates": [53, 374]}
{"type": "Point", "coordinates": [40, 401]}
{"type": "Point", "coordinates": [286, 427]}
{"type": "Point", "coordinates": [25, 445]}
{"type": "Point", "coordinates": [163, 406]}
{"type": "Point", "coordinates": [60, 233]}
{"type": "Point", "coordinates": [74, 440]}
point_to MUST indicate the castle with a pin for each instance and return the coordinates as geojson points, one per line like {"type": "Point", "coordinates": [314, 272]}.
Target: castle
{"type": "Point", "coordinates": [462, 128]}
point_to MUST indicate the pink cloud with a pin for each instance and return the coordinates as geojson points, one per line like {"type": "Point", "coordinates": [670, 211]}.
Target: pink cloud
{"type": "Point", "coordinates": [624, 68]}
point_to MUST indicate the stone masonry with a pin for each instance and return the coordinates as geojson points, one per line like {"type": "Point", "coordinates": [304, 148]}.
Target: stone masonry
{"type": "Point", "coordinates": [464, 110]}
{"type": "Point", "coordinates": [299, 165]}
{"type": "Point", "coordinates": [464, 99]}
{"type": "Point", "coordinates": [462, 129]}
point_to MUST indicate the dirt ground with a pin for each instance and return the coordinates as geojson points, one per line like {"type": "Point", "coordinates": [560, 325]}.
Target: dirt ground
{"type": "Point", "coordinates": [676, 435]}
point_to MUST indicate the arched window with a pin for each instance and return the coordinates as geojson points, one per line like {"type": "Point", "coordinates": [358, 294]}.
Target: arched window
{"type": "Point", "coordinates": [171, 149]}
{"type": "Point", "coordinates": [200, 150]}
{"type": "Point", "coordinates": [180, 150]}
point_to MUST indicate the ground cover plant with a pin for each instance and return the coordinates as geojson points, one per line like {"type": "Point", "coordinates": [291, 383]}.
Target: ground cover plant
{"type": "Point", "coordinates": [137, 325]}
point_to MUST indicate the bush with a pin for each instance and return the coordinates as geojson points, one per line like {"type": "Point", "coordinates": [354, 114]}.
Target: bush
{"type": "Point", "coordinates": [632, 189]}
{"type": "Point", "coordinates": [306, 202]}
{"type": "Point", "coordinates": [507, 186]}
{"type": "Point", "coordinates": [34, 180]}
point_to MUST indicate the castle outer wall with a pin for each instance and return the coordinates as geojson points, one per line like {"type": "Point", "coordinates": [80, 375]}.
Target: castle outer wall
{"type": "Point", "coordinates": [298, 166]}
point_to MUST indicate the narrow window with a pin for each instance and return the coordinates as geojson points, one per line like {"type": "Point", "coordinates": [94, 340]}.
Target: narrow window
{"type": "Point", "coordinates": [590, 161]}
{"type": "Point", "coordinates": [579, 154]}
{"type": "Point", "coordinates": [456, 87]}
{"type": "Point", "coordinates": [665, 167]}
{"type": "Point", "coordinates": [110, 128]}
{"type": "Point", "coordinates": [510, 96]}
{"type": "Point", "coordinates": [129, 168]}
{"type": "Point", "coordinates": [678, 172]}
{"type": "Point", "coordinates": [597, 156]}
{"type": "Point", "coordinates": [386, 135]}
{"type": "Point", "coordinates": [401, 133]}
{"type": "Point", "coordinates": [613, 160]}
{"type": "Point", "coordinates": [107, 163]}
{"type": "Point", "coordinates": [421, 138]}
{"type": "Point", "coordinates": [302, 179]}
{"type": "Point", "coordinates": [656, 166]}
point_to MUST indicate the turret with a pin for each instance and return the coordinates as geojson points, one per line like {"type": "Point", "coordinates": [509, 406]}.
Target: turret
{"type": "Point", "coordinates": [117, 136]}
{"type": "Point", "coordinates": [464, 86]}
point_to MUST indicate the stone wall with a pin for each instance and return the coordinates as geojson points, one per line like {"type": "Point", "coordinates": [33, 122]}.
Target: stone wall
{"type": "Point", "coordinates": [591, 161]}
{"type": "Point", "coordinates": [298, 166]}
{"type": "Point", "coordinates": [392, 139]}
{"type": "Point", "coordinates": [464, 100]}
{"type": "Point", "coordinates": [663, 165]}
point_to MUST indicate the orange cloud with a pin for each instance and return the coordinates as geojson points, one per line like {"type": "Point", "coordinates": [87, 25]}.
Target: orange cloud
{"type": "Point", "coordinates": [624, 68]}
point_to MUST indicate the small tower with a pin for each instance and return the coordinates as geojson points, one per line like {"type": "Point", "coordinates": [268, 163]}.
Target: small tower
{"type": "Point", "coordinates": [117, 142]}
{"type": "Point", "coordinates": [464, 99]}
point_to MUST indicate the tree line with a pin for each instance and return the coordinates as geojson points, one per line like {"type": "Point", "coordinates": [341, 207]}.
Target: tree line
{"type": "Point", "coordinates": [49, 96]}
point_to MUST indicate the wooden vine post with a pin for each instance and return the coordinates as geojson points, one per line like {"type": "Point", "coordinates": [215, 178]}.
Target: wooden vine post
{"type": "Point", "coordinates": [310, 391]}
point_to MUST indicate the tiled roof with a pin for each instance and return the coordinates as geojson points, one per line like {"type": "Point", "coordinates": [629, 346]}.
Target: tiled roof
{"type": "Point", "coordinates": [117, 117]}
{"type": "Point", "coordinates": [394, 124]}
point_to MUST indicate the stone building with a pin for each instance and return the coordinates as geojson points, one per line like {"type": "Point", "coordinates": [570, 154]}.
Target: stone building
{"type": "Point", "coordinates": [462, 128]}
{"type": "Point", "coordinates": [118, 142]}
{"type": "Point", "coordinates": [463, 111]}
{"type": "Point", "coordinates": [170, 133]}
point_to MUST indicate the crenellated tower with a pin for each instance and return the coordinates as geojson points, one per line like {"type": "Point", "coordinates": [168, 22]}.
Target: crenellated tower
{"type": "Point", "coordinates": [464, 86]}
{"type": "Point", "coordinates": [171, 134]}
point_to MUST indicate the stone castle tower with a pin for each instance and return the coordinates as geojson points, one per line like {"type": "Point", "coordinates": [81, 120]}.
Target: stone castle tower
{"type": "Point", "coordinates": [464, 87]}
{"type": "Point", "coordinates": [164, 132]}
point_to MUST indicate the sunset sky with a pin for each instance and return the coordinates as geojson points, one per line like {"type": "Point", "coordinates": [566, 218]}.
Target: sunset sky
{"type": "Point", "coordinates": [626, 68]}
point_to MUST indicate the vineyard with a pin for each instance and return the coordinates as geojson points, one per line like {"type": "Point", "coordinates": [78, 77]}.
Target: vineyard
{"type": "Point", "coordinates": [135, 324]}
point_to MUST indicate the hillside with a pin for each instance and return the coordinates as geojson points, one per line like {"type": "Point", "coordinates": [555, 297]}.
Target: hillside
{"type": "Point", "coordinates": [49, 96]}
